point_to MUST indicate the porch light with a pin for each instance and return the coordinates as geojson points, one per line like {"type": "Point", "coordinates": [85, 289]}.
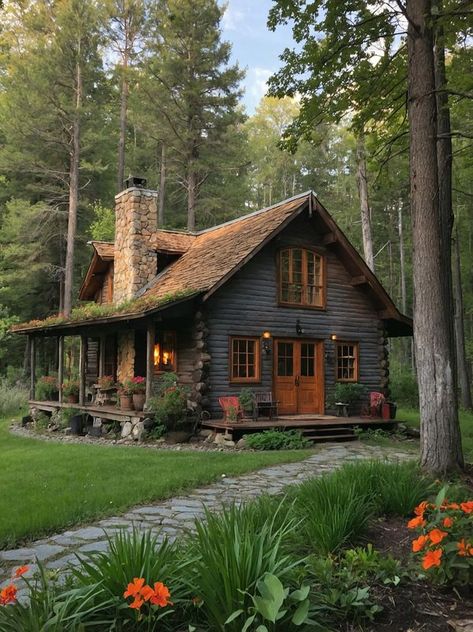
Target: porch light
{"type": "Point", "coordinates": [266, 343]}
{"type": "Point", "coordinates": [299, 329]}
{"type": "Point", "coordinates": [333, 337]}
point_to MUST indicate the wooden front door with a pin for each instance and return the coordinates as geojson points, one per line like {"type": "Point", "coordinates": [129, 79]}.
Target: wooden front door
{"type": "Point", "coordinates": [298, 376]}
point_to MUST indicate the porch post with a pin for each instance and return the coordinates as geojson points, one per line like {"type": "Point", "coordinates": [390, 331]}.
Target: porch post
{"type": "Point", "coordinates": [150, 332]}
{"type": "Point", "coordinates": [82, 364]}
{"type": "Point", "coordinates": [60, 365]}
{"type": "Point", "coordinates": [32, 366]}
{"type": "Point", "coordinates": [102, 356]}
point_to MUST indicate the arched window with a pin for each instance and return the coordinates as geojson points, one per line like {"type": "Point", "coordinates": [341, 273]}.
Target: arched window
{"type": "Point", "coordinates": [301, 278]}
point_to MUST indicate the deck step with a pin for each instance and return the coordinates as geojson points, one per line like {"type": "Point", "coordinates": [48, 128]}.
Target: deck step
{"type": "Point", "coordinates": [337, 437]}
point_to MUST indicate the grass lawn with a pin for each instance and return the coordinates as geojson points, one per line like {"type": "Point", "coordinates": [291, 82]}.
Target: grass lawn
{"type": "Point", "coordinates": [47, 486]}
{"type": "Point", "coordinates": [411, 417]}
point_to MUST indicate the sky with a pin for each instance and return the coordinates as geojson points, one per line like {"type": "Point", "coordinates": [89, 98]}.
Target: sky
{"type": "Point", "coordinates": [254, 46]}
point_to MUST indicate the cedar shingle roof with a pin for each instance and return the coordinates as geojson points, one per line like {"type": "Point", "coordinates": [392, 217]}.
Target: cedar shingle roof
{"type": "Point", "coordinates": [104, 249]}
{"type": "Point", "coordinates": [214, 253]}
{"type": "Point", "coordinates": [172, 241]}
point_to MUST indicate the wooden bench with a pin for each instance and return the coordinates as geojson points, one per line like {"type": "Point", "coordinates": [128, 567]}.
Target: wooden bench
{"type": "Point", "coordinates": [264, 402]}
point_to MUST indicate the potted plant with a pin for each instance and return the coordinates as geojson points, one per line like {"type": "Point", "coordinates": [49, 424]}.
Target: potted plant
{"type": "Point", "coordinates": [139, 392]}
{"type": "Point", "coordinates": [76, 421]}
{"type": "Point", "coordinates": [106, 387]}
{"type": "Point", "coordinates": [350, 395]}
{"type": "Point", "coordinates": [47, 388]}
{"type": "Point", "coordinates": [125, 393]}
{"type": "Point", "coordinates": [70, 390]}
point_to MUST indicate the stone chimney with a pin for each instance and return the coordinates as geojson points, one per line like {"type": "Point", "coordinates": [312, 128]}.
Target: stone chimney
{"type": "Point", "coordinates": [135, 221]}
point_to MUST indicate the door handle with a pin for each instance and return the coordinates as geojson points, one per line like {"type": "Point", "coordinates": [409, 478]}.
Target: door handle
{"type": "Point", "coordinates": [297, 380]}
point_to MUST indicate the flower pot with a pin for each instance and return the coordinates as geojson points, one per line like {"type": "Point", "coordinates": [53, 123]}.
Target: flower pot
{"type": "Point", "coordinates": [126, 402]}
{"type": "Point", "coordinates": [55, 396]}
{"type": "Point", "coordinates": [76, 423]}
{"type": "Point", "coordinates": [72, 399]}
{"type": "Point", "coordinates": [139, 400]}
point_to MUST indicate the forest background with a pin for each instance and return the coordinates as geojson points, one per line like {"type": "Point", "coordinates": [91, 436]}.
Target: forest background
{"type": "Point", "coordinates": [93, 91]}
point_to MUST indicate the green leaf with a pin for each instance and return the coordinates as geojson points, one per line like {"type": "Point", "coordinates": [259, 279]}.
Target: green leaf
{"type": "Point", "coordinates": [301, 613]}
{"type": "Point", "coordinates": [234, 616]}
{"type": "Point", "coordinates": [301, 594]}
{"type": "Point", "coordinates": [441, 496]}
{"type": "Point", "coordinates": [248, 623]}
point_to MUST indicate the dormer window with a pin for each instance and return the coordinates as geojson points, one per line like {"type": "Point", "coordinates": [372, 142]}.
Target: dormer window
{"type": "Point", "coordinates": [301, 278]}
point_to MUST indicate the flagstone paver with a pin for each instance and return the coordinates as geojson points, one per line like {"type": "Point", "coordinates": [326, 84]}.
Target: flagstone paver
{"type": "Point", "coordinates": [174, 516]}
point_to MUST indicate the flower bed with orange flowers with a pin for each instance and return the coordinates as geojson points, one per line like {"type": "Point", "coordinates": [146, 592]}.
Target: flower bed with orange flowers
{"type": "Point", "coordinates": [444, 544]}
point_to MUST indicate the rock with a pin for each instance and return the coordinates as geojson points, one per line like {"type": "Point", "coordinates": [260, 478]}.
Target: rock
{"type": "Point", "coordinates": [242, 444]}
{"type": "Point", "coordinates": [205, 433]}
{"type": "Point", "coordinates": [222, 439]}
{"type": "Point", "coordinates": [461, 625]}
{"type": "Point", "coordinates": [229, 444]}
{"type": "Point", "coordinates": [413, 432]}
{"type": "Point", "coordinates": [138, 431]}
{"type": "Point", "coordinates": [210, 438]}
{"type": "Point", "coordinates": [126, 429]}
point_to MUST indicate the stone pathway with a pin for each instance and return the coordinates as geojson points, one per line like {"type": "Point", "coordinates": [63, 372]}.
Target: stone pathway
{"type": "Point", "coordinates": [176, 515]}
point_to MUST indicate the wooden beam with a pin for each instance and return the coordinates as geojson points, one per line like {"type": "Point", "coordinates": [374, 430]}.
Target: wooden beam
{"type": "Point", "coordinates": [32, 366]}
{"type": "Point", "coordinates": [358, 280]}
{"type": "Point", "coordinates": [102, 355]}
{"type": "Point", "coordinates": [150, 336]}
{"type": "Point", "coordinates": [60, 365]}
{"type": "Point", "coordinates": [329, 238]}
{"type": "Point", "coordinates": [82, 367]}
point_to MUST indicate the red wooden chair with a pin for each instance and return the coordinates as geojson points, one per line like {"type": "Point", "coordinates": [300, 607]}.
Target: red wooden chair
{"type": "Point", "coordinates": [376, 404]}
{"type": "Point", "coordinates": [231, 408]}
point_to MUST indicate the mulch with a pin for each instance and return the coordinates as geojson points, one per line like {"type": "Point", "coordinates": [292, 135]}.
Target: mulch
{"type": "Point", "coordinates": [413, 606]}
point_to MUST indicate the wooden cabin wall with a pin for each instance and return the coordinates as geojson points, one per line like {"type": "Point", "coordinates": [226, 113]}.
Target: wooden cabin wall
{"type": "Point", "coordinates": [247, 306]}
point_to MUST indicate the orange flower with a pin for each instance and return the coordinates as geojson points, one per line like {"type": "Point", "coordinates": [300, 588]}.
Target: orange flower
{"type": "Point", "coordinates": [137, 603]}
{"type": "Point", "coordinates": [420, 509]}
{"type": "Point", "coordinates": [160, 595]}
{"type": "Point", "coordinates": [464, 548]}
{"type": "Point", "coordinates": [453, 506]}
{"type": "Point", "coordinates": [8, 595]}
{"type": "Point", "coordinates": [467, 507]}
{"type": "Point", "coordinates": [436, 536]}
{"type": "Point", "coordinates": [21, 570]}
{"type": "Point", "coordinates": [431, 558]}
{"type": "Point", "coordinates": [134, 588]}
{"type": "Point", "coordinates": [448, 522]}
{"type": "Point", "coordinates": [416, 522]}
{"type": "Point", "coordinates": [418, 545]}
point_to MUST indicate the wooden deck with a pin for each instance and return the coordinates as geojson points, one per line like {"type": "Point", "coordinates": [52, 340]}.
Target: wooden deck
{"type": "Point", "coordinates": [112, 413]}
{"type": "Point", "coordinates": [317, 428]}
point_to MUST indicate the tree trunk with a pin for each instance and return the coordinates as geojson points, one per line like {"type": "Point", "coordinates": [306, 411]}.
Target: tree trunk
{"type": "Point", "coordinates": [73, 194]}
{"type": "Point", "coordinates": [162, 186]}
{"type": "Point", "coordinates": [462, 367]}
{"type": "Point", "coordinates": [123, 123]}
{"type": "Point", "coordinates": [435, 358]}
{"type": "Point", "coordinates": [191, 199]}
{"type": "Point", "coordinates": [362, 182]}
{"type": "Point", "coordinates": [402, 261]}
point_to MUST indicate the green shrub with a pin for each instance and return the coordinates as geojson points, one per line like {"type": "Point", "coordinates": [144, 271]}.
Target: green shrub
{"type": "Point", "coordinates": [46, 387]}
{"type": "Point", "coordinates": [13, 398]}
{"type": "Point", "coordinates": [350, 393]}
{"type": "Point", "coordinates": [235, 550]}
{"type": "Point", "coordinates": [247, 400]}
{"type": "Point", "coordinates": [394, 487]}
{"type": "Point", "coordinates": [333, 512]}
{"type": "Point", "coordinates": [277, 440]}
{"type": "Point", "coordinates": [404, 389]}
{"type": "Point", "coordinates": [169, 406]}
{"type": "Point", "coordinates": [42, 421]}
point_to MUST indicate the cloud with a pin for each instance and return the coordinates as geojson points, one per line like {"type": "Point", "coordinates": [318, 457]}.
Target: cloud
{"type": "Point", "coordinates": [257, 82]}
{"type": "Point", "coordinates": [232, 18]}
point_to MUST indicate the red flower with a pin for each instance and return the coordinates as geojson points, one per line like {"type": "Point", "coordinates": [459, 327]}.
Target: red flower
{"type": "Point", "coordinates": [464, 548]}
{"type": "Point", "coordinates": [467, 507]}
{"type": "Point", "coordinates": [436, 536]}
{"type": "Point", "coordinates": [8, 595]}
{"type": "Point", "coordinates": [448, 522]}
{"type": "Point", "coordinates": [137, 603]}
{"type": "Point", "coordinates": [21, 570]}
{"type": "Point", "coordinates": [431, 558]}
{"type": "Point", "coordinates": [420, 509]}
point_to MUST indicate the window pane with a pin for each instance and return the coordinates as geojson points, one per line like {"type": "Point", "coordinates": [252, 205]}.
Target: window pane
{"type": "Point", "coordinates": [285, 364]}
{"type": "Point", "coordinates": [346, 361]}
{"type": "Point", "coordinates": [308, 360]}
{"type": "Point", "coordinates": [243, 360]}
{"type": "Point", "coordinates": [285, 266]}
{"type": "Point", "coordinates": [301, 277]}
{"type": "Point", "coordinates": [297, 266]}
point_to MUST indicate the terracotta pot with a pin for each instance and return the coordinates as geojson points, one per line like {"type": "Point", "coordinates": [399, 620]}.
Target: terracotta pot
{"type": "Point", "coordinates": [72, 399]}
{"type": "Point", "coordinates": [126, 402]}
{"type": "Point", "coordinates": [139, 400]}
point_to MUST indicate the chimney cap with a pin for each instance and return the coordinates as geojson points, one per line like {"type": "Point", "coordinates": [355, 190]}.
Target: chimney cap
{"type": "Point", "coordinates": [135, 181]}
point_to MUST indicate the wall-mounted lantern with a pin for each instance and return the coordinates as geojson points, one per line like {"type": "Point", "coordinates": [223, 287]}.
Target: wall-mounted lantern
{"type": "Point", "coordinates": [299, 329]}
{"type": "Point", "coordinates": [266, 341]}
{"type": "Point", "coordinates": [333, 337]}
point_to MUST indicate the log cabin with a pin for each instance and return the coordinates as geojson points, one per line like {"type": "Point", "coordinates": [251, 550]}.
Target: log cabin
{"type": "Point", "coordinates": [277, 300]}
